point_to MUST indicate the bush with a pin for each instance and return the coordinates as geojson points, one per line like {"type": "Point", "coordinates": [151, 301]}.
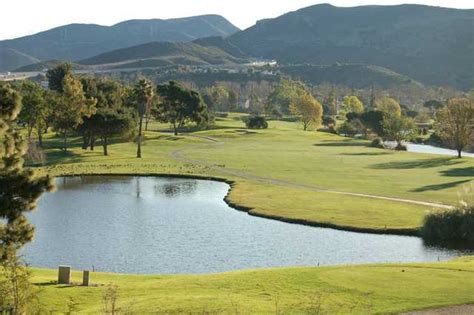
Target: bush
{"type": "Point", "coordinates": [450, 225]}
{"type": "Point", "coordinates": [329, 121]}
{"type": "Point", "coordinates": [435, 140]}
{"type": "Point", "coordinates": [352, 128]}
{"type": "Point", "coordinates": [377, 143]}
{"type": "Point", "coordinates": [256, 122]}
{"type": "Point", "coordinates": [401, 147]}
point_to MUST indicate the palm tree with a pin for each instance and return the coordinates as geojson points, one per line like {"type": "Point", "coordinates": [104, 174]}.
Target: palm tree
{"type": "Point", "coordinates": [143, 93]}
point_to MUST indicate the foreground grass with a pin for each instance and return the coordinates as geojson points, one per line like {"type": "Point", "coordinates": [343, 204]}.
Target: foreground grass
{"type": "Point", "coordinates": [357, 289]}
{"type": "Point", "coordinates": [293, 165]}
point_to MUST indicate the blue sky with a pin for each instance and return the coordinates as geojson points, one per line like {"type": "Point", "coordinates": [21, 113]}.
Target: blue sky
{"type": "Point", "coordinates": [25, 17]}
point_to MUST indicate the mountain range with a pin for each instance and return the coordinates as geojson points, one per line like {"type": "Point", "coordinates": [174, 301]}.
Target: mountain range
{"type": "Point", "coordinates": [430, 44]}
{"type": "Point", "coordinates": [79, 41]}
{"type": "Point", "coordinates": [409, 43]}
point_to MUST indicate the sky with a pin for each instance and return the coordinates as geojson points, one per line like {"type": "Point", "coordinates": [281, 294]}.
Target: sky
{"type": "Point", "coordinates": [26, 17]}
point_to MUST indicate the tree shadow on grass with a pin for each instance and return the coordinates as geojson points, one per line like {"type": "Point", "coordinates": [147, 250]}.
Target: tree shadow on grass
{"type": "Point", "coordinates": [459, 172]}
{"type": "Point", "coordinates": [345, 143]}
{"type": "Point", "coordinates": [56, 156]}
{"type": "Point", "coordinates": [368, 154]}
{"type": "Point", "coordinates": [425, 163]}
{"type": "Point", "coordinates": [440, 186]}
{"type": "Point", "coordinates": [46, 284]}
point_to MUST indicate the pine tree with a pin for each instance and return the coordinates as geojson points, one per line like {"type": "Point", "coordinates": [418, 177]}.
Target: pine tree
{"type": "Point", "coordinates": [19, 187]}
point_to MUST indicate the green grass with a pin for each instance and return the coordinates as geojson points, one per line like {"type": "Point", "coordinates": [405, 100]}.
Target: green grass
{"type": "Point", "coordinates": [346, 289]}
{"type": "Point", "coordinates": [294, 164]}
{"type": "Point", "coordinates": [278, 173]}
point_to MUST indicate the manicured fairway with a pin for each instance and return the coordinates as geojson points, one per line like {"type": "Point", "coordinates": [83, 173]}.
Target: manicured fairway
{"type": "Point", "coordinates": [283, 172]}
{"type": "Point", "coordinates": [342, 290]}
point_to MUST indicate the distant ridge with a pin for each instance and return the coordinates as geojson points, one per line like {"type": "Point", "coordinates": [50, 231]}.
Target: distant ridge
{"type": "Point", "coordinates": [79, 41]}
{"type": "Point", "coordinates": [351, 75]}
{"type": "Point", "coordinates": [163, 54]}
{"type": "Point", "coordinates": [430, 44]}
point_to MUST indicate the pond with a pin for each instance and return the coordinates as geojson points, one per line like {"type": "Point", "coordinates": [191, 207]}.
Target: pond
{"type": "Point", "coordinates": [425, 148]}
{"type": "Point", "coordinates": [156, 225]}
{"type": "Point", "coordinates": [429, 149]}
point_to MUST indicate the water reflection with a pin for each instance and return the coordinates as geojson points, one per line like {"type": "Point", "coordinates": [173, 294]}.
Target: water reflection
{"type": "Point", "coordinates": [171, 190]}
{"type": "Point", "coordinates": [450, 245]}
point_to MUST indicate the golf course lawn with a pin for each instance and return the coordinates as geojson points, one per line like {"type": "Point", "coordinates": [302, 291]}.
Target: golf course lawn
{"type": "Point", "coordinates": [285, 173]}
{"type": "Point", "coordinates": [345, 289]}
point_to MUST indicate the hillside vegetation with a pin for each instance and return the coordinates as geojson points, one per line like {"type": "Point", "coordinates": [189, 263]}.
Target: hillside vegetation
{"type": "Point", "coordinates": [352, 75]}
{"type": "Point", "coordinates": [430, 44]}
{"type": "Point", "coordinates": [164, 54]}
{"type": "Point", "coordinates": [11, 59]}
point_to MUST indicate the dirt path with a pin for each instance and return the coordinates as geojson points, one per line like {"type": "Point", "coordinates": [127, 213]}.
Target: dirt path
{"type": "Point", "coordinates": [467, 309]}
{"type": "Point", "coordinates": [179, 156]}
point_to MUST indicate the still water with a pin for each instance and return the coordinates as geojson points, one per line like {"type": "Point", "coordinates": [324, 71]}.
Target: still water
{"type": "Point", "coordinates": [424, 148]}
{"type": "Point", "coordinates": [167, 225]}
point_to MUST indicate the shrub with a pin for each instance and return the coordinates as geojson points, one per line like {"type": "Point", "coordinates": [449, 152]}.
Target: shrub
{"type": "Point", "coordinates": [256, 122]}
{"type": "Point", "coordinates": [377, 143]}
{"type": "Point", "coordinates": [329, 121]}
{"type": "Point", "coordinates": [332, 129]}
{"type": "Point", "coordinates": [401, 147]}
{"type": "Point", "coordinates": [435, 139]}
{"type": "Point", "coordinates": [450, 225]}
{"type": "Point", "coordinates": [352, 128]}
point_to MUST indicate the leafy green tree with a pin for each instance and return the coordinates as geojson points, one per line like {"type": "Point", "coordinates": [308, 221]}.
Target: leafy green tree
{"type": "Point", "coordinates": [352, 104]}
{"type": "Point", "coordinates": [219, 98]}
{"type": "Point", "coordinates": [285, 93]}
{"type": "Point", "coordinates": [180, 105]}
{"type": "Point", "coordinates": [109, 123]}
{"type": "Point", "coordinates": [331, 103]}
{"type": "Point", "coordinates": [372, 120]}
{"type": "Point", "coordinates": [70, 107]}
{"type": "Point", "coordinates": [389, 106]}
{"type": "Point", "coordinates": [56, 76]}
{"type": "Point", "coordinates": [35, 110]}
{"type": "Point", "coordinates": [19, 187]}
{"type": "Point", "coordinates": [399, 129]}
{"type": "Point", "coordinates": [308, 109]}
{"type": "Point", "coordinates": [372, 99]}
{"type": "Point", "coordinates": [433, 105]}
{"type": "Point", "coordinates": [110, 96]}
{"type": "Point", "coordinates": [143, 95]}
{"type": "Point", "coordinates": [455, 123]}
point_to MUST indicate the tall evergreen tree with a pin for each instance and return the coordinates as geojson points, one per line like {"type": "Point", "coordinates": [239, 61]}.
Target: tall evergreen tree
{"type": "Point", "coordinates": [19, 187]}
{"type": "Point", "coordinates": [56, 76]}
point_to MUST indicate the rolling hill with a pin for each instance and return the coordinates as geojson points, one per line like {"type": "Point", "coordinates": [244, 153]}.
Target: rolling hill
{"type": "Point", "coordinates": [430, 44]}
{"type": "Point", "coordinates": [352, 75]}
{"type": "Point", "coordinates": [158, 54]}
{"type": "Point", "coordinates": [11, 59]}
{"type": "Point", "coordinates": [79, 41]}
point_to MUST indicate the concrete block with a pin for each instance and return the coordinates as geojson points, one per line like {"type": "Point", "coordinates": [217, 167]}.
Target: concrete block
{"type": "Point", "coordinates": [64, 275]}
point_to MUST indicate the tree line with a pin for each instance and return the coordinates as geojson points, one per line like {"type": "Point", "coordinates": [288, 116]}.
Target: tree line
{"type": "Point", "coordinates": [103, 109]}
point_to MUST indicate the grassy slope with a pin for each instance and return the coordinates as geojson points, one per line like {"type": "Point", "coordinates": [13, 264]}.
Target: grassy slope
{"type": "Point", "coordinates": [360, 289]}
{"type": "Point", "coordinates": [284, 152]}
